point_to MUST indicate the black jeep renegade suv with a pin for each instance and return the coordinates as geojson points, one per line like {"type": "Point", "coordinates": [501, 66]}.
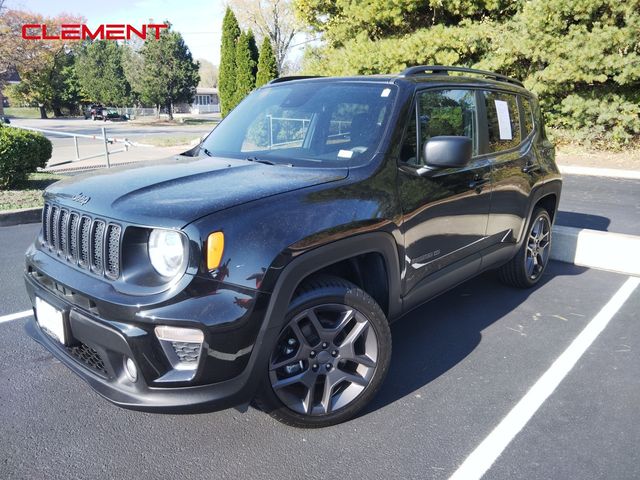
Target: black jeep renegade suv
{"type": "Point", "coordinates": [266, 263]}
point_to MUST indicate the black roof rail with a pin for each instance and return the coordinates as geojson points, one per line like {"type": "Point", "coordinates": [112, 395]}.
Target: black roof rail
{"type": "Point", "coordinates": [444, 70]}
{"type": "Point", "coordinates": [293, 77]}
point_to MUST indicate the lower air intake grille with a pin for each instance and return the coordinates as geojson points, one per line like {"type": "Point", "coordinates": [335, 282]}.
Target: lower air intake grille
{"type": "Point", "coordinates": [88, 357]}
{"type": "Point", "coordinates": [186, 352]}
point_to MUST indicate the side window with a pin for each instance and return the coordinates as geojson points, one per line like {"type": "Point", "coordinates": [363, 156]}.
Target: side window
{"type": "Point", "coordinates": [527, 121]}
{"type": "Point", "coordinates": [440, 112]}
{"type": "Point", "coordinates": [503, 119]}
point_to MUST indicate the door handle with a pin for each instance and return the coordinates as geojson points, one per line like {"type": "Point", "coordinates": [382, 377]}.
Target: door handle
{"type": "Point", "coordinates": [477, 184]}
{"type": "Point", "coordinates": [531, 168]}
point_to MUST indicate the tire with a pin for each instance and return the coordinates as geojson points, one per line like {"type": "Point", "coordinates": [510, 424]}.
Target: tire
{"type": "Point", "coordinates": [526, 268]}
{"type": "Point", "coordinates": [350, 349]}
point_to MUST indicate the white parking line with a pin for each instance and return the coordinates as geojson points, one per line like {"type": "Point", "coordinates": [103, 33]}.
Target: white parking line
{"type": "Point", "coordinates": [16, 316]}
{"type": "Point", "coordinates": [481, 459]}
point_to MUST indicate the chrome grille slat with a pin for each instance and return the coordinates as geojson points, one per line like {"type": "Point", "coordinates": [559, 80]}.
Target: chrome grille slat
{"type": "Point", "coordinates": [97, 245]}
{"type": "Point", "coordinates": [85, 233]}
{"type": "Point", "coordinates": [64, 231]}
{"type": "Point", "coordinates": [55, 228]}
{"type": "Point", "coordinates": [73, 244]}
{"type": "Point", "coordinates": [87, 242]}
{"type": "Point", "coordinates": [112, 267]}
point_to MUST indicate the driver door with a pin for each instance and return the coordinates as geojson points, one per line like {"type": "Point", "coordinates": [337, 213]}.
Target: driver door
{"type": "Point", "coordinates": [445, 211]}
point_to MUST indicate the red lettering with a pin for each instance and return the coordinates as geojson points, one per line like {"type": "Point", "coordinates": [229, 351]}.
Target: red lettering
{"type": "Point", "coordinates": [85, 32]}
{"type": "Point", "coordinates": [115, 31]}
{"type": "Point", "coordinates": [30, 26]}
{"type": "Point", "coordinates": [48, 37]}
{"type": "Point", "coordinates": [157, 27]}
{"type": "Point", "coordinates": [70, 31]}
{"type": "Point", "coordinates": [141, 34]}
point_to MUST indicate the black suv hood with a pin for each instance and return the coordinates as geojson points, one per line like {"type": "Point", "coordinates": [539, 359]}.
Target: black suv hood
{"type": "Point", "coordinates": [179, 190]}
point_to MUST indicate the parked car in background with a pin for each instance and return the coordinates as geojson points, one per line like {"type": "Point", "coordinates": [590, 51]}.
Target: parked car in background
{"type": "Point", "coordinates": [267, 263]}
{"type": "Point", "coordinates": [113, 115]}
{"type": "Point", "coordinates": [94, 112]}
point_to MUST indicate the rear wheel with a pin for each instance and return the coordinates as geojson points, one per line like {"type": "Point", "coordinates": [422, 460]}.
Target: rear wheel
{"type": "Point", "coordinates": [330, 358]}
{"type": "Point", "coordinates": [525, 269]}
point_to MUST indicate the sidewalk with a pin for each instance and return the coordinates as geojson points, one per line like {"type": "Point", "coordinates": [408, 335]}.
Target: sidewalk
{"type": "Point", "coordinates": [64, 150]}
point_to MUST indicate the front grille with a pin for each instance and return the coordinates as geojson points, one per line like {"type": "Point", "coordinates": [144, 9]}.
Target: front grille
{"type": "Point", "coordinates": [88, 357]}
{"type": "Point", "coordinates": [87, 242]}
{"type": "Point", "coordinates": [186, 351]}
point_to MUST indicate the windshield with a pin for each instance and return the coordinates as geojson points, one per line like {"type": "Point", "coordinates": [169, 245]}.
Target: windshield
{"type": "Point", "coordinates": [306, 124]}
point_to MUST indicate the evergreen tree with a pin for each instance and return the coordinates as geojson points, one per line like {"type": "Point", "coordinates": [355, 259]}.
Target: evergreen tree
{"type": "Point", "coordinates": [246, 66]}
{"type": "Point", "coordinates": [267, 69]}
{"type": "Point", "coordinates": [580, 58]}
{"type": "Point", "coordinates": [227, 78]}
{"type": "Point", "coordinates": [170, 75]}
{"type": "Point", "coordinates": [100, 74]}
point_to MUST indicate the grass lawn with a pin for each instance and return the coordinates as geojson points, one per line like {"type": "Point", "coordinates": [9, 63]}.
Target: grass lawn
{"type": "Point", "coordinates": [22, 112]}
{"type": "Point", "coordinates": [30, 195]}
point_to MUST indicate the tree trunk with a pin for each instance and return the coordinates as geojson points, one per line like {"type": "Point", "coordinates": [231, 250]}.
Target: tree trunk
{"type": "Point", "coordinates": [43, 111]}
{"type": "Point", "coordinates": [170, 111]}
{"type": "Point", "coordinates": [1, 101]}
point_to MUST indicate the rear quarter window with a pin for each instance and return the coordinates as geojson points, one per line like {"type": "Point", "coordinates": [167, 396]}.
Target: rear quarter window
{"type": "Point", "coordinates": [527, 119]}
{"type": "Point", "coordinates": [503, 119]}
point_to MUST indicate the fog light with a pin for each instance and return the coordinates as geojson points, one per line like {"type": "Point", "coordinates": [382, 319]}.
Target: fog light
{"type": "Point", "coordinates": [130, 369]}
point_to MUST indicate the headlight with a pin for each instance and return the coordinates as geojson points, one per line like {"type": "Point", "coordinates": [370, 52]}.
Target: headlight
{"type": "Point", "coordinates": [167, 252]}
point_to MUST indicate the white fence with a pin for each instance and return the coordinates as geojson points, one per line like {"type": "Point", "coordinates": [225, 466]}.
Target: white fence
{"type": "Point", "coordinates": [102, 138]}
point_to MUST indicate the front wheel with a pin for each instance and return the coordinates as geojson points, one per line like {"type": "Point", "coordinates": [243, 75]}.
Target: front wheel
{"type": "Point", "coordinates": [331, 357]}
{"type": "Point", "coordinates": [525, 269]}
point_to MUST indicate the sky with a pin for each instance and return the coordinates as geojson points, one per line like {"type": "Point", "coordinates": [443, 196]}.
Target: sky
{"type": "Point", "coordinates": [199, 21]}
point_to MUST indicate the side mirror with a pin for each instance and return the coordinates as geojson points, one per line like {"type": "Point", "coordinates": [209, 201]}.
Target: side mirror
{"type": "Point", "coordinates": [448, 152]}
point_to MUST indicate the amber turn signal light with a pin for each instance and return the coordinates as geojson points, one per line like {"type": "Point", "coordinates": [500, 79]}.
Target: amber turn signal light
{"type": "Point", "coordinates": [215, 247]}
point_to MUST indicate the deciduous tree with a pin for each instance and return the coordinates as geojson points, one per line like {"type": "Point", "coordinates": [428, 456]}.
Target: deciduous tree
{"type": "Point", "coordinates": [274, 19]}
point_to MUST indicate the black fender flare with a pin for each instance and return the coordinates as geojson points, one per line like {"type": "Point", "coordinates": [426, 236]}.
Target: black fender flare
{"type": "Point", "coordinates": [291, 276]}
{"type": "Point", "coordinates": [309, 262]}
{"type": "Point", "coordinates": [552, 187]}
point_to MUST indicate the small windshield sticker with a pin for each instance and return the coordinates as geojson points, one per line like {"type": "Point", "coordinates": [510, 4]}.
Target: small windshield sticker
{"type": "Point", "coordinates": [385, 92]}
{"type": "Point", "coordinates": [345, 154]}
{"type": "Point", "coordinates": [504, 121]}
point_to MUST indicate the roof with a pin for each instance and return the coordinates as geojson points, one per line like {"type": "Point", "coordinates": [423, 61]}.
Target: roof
{"type": "Point", "coordinates": [422, 74]}
{"type": "Point", "coordinates": [206, 91]}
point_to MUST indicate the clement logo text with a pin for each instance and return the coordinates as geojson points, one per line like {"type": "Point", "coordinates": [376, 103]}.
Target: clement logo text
{"type": "Point", "coordinates": [81, 31]}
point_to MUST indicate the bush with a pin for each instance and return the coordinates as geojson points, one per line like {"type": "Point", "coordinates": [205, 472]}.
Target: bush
{"type": "Point", "coordinates": [21, 153]}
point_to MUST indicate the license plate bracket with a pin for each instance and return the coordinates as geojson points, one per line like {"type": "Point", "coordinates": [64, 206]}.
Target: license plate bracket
{"type": "Point", "coordinates": [52, 321]}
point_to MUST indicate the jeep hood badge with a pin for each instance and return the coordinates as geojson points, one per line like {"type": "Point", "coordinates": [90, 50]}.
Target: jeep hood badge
{"type": "Point", "coordinates": [81, 198]}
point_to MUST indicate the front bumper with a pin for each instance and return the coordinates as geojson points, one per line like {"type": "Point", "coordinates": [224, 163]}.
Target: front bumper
{"type": "Point", "coordinates": [103, 334]}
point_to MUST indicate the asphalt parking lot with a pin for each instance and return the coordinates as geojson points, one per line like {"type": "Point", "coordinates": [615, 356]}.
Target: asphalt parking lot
{"type": "Point", "coordinates": [460, 365]}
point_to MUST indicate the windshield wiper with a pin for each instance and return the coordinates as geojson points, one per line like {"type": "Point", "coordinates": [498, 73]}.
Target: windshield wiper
{"type": "Point", "coordinates": [259, 160]}
{"type": "Point", "coordinates": [207, 152]}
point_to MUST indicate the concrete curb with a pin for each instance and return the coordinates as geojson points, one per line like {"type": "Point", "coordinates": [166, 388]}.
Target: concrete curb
{"type": "Point", "coordinates": [616, 252]}
{"type": "Point", "coordinates": [599, 172]}
{"type": "Point", "coordinates": [18, 217]}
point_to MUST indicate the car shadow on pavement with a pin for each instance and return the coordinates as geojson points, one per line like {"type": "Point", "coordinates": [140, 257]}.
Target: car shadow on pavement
{"type": "Point", "coordinates": [582, 220]}
{"type": "Point", "coordinates": [435, 337]}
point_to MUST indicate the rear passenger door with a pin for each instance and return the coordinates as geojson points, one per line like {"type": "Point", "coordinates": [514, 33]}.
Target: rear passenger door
{"type": "Point", "coordinates": [513, 162]}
